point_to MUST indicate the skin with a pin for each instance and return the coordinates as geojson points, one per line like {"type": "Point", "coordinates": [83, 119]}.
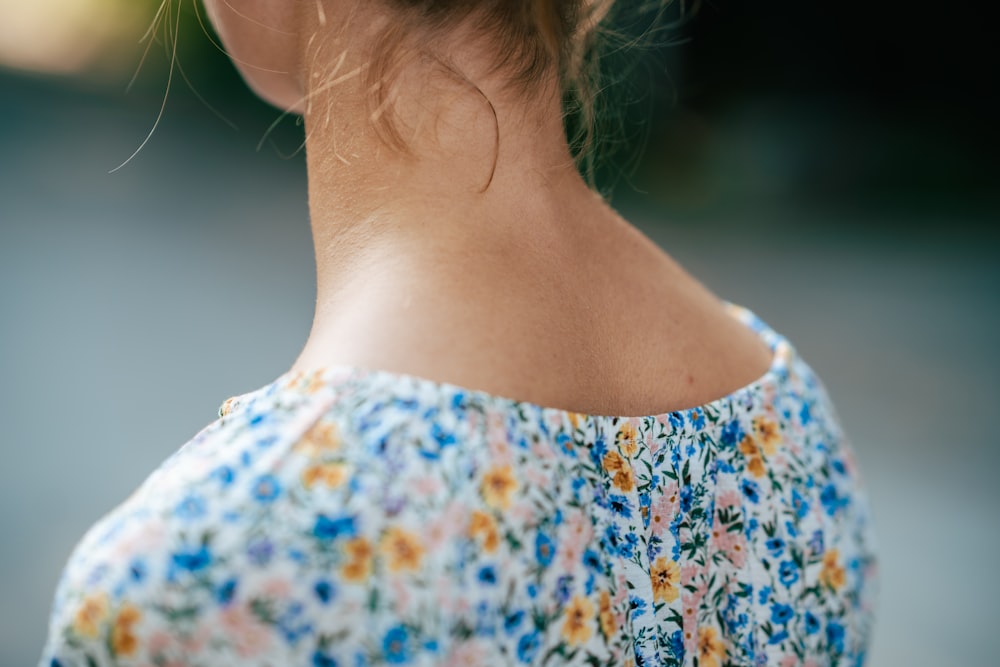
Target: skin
{"type": "Point", "coordinates": [531, 288]}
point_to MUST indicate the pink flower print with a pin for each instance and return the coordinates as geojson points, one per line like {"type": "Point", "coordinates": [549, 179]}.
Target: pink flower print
{"type": "Point", "coordinates": [445, 525]}
{"type": "Point", "coordinates": [249, 636]}
{"type": "Point", "coordinates": [521, 513]}
{"type": "Point", "coordinates": [729, 498]}
{"type": "Point", "coordinates": [577, 532]}
{"type": "Point", "coordinates": [664, 509]}
{"type": "Point", "coordinates": [536, 476]}
{"type": "Point", "coordinates": [496, 436]}
{"type": "Point", "coordinates": [427, 485]}
{"type": "Point", "coordinates": [732, 543]}
{"type": "Point", "coordinates": [145, 536]}
{"type": "Point", "coordinates": [278, 587]}
{"type": "Point", "coordinates": [466, 653]}
{"type": "Point", "coordinates": [194, 643]}
{"type": "Point", "coordinates": [158, 642]}
{"type": "Point", "coordinates": [401, 592]}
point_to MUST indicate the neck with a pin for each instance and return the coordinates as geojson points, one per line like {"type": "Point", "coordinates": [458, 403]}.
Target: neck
{"type": "Point", "coordinates": [482, 183]}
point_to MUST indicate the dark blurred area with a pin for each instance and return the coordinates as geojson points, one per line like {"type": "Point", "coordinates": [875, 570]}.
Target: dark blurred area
{"type": "Point", "coordinates": [832, 167]}
{"type": "Point", "coordinates": [880, 116]}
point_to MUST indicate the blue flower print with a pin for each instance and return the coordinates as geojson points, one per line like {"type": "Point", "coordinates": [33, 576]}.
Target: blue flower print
{"type": "Point", "coordinates": [638, 606]}
{"type": "Point", "coordinates": [776, 546]}
{"type": "Point", "coordinates": [732, 433]}
{"type": "Point", "coordinates": [831, 501]}
{"type": "Point", "coordinates": [677, 646]}
{"type": "Point", "coordinates": [224, 593]}
{"type": "Point", "coordinates": [611, 539]}
{"type": "Point", "coordinates": [816, 543]}
{"type": "Point", "coordinates": [800, 504]}
{"type": "Point", "coordinates": [396, 645]}
{"type": "Point", "coordinates": [137, 570]}
{"type": "Point", "coordinates": [266, 488]}
{"type": "Point", "coordinates": [781, 613]}
{"type": "Point", "coordinates": [512, 620]}
{"type": "Point", "coordinates": [628, 545]}
{"type": "Point", "coordinates": [527, 647]}
{"type": "Point", "coordinates": [835, 636]}
{"type": "Point", "coordinates": [620, 505]}
{"type": "Point", "coordinates": [487, 575]}
{"type": "Point", "coordinates": [811, 623]}
{"type": "Point", "coordinates": [592, 560]}
{"type": "Point", "coordinates": [324, 590]}
{"type": "Point", "coordinates": [687, 496]}
{"type": "Point", "coordinates": [788, 572]}
{"type": "Point", "coordinates": [192, 507]}
{"type": "Point", "coordinates": [563, 589]}
{"type": "Point", "coordinates": [224, 474]}
{"type": "Point", "coordinates": [751, 490]}
{"type": "Point", "coordinates": [805, 414]}
{"type": "Point", "coordinates": [322, 659]}
{"type": "Point", "coordinates": [192, 560]}
{"type": "Point", "coordinates": [598, 450]}
{"type": "Point", "coordinates": [327, 528]}
{"type": "Point", "coordinates": [259, 551]}
{"type": "Point", "coordinates": [778, 637]}
{"type": "Point", "coordinates": [545, 549]}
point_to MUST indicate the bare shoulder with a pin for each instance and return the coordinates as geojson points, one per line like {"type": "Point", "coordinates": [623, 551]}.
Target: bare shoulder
{"type": "Point", "coordinates": [612, 326]}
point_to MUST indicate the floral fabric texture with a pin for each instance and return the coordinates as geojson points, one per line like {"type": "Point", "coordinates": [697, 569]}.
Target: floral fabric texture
{"type": "Point", "coordinates": [351, 517]}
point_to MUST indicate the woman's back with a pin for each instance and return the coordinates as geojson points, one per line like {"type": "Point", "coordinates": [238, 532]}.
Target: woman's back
{"type": "Point", "coordinates": [351, 517]}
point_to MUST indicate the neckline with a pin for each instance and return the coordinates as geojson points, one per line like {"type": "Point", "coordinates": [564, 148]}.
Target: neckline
{"type": "Point", "coordinates": [333, 376]}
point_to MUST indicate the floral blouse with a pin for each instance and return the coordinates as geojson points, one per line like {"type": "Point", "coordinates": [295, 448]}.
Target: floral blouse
{"type": "Point", "coordinates": [350, 517]}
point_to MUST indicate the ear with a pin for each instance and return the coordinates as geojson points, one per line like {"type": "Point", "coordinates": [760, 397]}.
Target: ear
{"type": "Point", "coordinates": [262, 39]}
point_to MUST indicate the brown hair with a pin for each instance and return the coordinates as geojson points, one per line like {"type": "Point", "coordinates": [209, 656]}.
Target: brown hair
{"type": "Point", "coordinates": [532, 39]}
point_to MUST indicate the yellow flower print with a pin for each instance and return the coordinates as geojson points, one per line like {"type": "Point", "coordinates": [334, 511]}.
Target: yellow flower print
{"type": "Point", "coordinates": [621, 470]}
{"type": "Point", "coordinates": [833, 573]}
{"type": "Point", "coordinates": [604, 614]}
{"type": "Point", "coordinates": [768, 434]}
{"type": "Point", "coordinates": [359, 559]}
{"type": "Point", "coordinates": [123, 640]}
{"type": "Point", "coordinates": [402, 548]}
{"type": "Point", "coordinates": [756, 466]}
{"type": "Point", "coordinates": [321, 438]}
{"type": "Point", "coordinates": [330, 474]}
{"type": "Point", "coordinates": [748, 447]}
{"type": "Point", "coordinates": [710, 647]}
{"type": "Point", "coordinates": [666, 576]}
{"type": "Point", "coordinates": [613, 462]}
{"type": "Point", "coordinates": [92, 612]}
{"type": "Point", "coordinates": [625, 479]}
{"type": "Point", "coordinates": [483, 524]}
{"type": "Point", "coordinates": [577, 628]}
{"type": "Point", "coordinates": [627, 441]}
{"type": "Point", "coordinates": [498, 486]}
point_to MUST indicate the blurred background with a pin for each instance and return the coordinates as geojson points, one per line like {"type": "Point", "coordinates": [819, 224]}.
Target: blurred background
{"type": "Point", "coordinates": [831, 166]}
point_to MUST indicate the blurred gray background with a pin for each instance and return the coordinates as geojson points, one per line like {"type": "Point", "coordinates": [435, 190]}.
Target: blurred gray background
{"type": "Point", "coordinates": [855, 214]}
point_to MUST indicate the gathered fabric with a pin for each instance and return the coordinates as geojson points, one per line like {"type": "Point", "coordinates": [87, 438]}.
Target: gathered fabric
{"type": "Point", "coordinates": [350, 517]}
